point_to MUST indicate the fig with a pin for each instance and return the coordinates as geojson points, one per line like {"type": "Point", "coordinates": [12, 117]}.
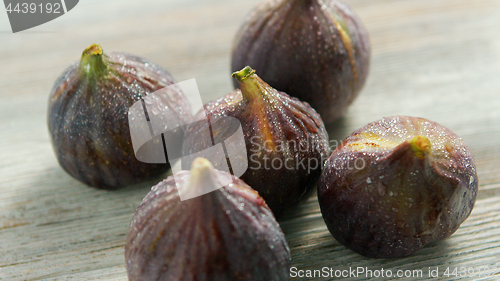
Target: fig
{"type": "Point", "coordinates": [227, 234]}
{"type": "Point", "coordinates": [285, 139]}
{"type": "Point", "coordinates": [87, 116]}
{"type": "Point", "coordinates": [397, 184]}
{"type": "Point", "coordinates": [315, 50]}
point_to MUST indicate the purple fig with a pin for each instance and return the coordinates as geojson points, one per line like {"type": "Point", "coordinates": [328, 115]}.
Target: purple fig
{"type": "Point", "coordinates": [397, 184]}
{"type": "Point", "coordinates": [227, 234]}
{"type": "Point", "coordinates": [88, 122]}
{"type": "Point", "coordinates": [317, 51]}
{"type": "Point", "coordinates": [285, 139]}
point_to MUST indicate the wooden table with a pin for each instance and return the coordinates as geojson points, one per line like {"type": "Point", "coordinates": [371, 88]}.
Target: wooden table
{"type": "Point", "coordinates": [438, 59]}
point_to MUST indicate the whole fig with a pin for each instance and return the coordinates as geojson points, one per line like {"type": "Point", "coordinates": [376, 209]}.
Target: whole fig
{"type": "Point", "coordinates": [315, 50]}
{"type": "Point", "coordinates": [87, 116]}
{"type": "Point", "coordinates": [227, 234]}
{"type": "Point", "coordinates": [397, 184]}
{"type": "Point", "coordinates": [285, 139]}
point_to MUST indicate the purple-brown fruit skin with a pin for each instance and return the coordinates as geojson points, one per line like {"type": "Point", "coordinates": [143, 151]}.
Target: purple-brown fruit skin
{"type": "Point", "coordinates": [228, 234]}
{"type": "Point", "coordinates": [382, 198]}
{"type": "Point", "coordinates": [270, 121]}
{"type": "Point", "coordinates": [88, 117]}
{"type": "Point", "coordinates": [315, 50]}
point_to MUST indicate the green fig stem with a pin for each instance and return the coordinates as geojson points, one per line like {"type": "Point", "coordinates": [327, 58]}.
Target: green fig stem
{"type": "Point", "coordinates": [251, 86]}
{"type": "Point", "coordinates": [259, 97]}
{"type": "Point", "coordinates": [421, 146]}
{"type": "Point", "coordinates": [243, 74]}
{"type": "Point", "coordinates": [92, 61]}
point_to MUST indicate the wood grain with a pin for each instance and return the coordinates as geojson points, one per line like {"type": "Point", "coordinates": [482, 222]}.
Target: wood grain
{"type": "Point", "coordinates": [438, 59]}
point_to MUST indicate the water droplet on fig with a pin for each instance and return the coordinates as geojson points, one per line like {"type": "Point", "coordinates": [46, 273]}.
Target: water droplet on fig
{"type": "Point", "coordinates": [92, 137]}
{"type": "Point", "coordinates": [286, 141]}
{"type": "Point", "coordinates": [273, 40]}
{"type": "Point", "coordinates": [209, 237]}
{"type": "Point", "coordinates": [413, 165]}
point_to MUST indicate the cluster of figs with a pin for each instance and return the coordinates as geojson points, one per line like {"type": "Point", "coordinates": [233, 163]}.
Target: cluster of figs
{"type": "Point", "coordinates": [390, 188]}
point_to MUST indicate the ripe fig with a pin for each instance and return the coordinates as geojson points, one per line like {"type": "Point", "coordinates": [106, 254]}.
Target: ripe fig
{"type": "Point", "coordinates": [315, 50]}
{"type": "Point", "coordinates": [87, 116]}
{"type": "Point", "coordinates": [285, 139]}
{"type": "Point", "coordinates": [397, 184]}
{"type": "Point", "coordinates": [227, 234]}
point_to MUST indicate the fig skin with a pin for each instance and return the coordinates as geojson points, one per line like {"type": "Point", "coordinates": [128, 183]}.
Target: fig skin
{"type": "Point", "coordinates": [285, 138]}
{"type": "Point", "coordinates": [227, 234]}
{"type": "Point", "coordinates": [395, 185]}
{"type": "Point", "coordinates": [315, 50]}
{"type": "Point", "coordinates": [88, 117]}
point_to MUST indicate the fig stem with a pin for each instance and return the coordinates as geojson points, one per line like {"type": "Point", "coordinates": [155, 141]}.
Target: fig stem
{"type": "Point", "coordinates": [259, 96]}
{"type": "Point", "coordinates": [253, 89]}
{"type": "Point", "coordinates": [92, 61]}
{"type": "Point", "coordinates": [243, 74]}
{"type": "Point", "coordinates": [420, 145]}
{"type": "Point", "coordinates": [201, 176]}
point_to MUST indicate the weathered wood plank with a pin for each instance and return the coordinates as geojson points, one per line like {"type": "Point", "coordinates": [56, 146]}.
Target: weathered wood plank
{"type": "Point", "coordinates": [434, 59]}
